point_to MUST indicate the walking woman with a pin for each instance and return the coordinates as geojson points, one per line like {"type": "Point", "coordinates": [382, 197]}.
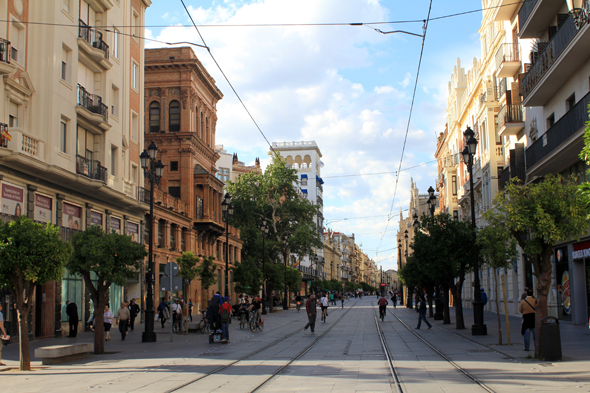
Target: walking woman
{"type": "Point", "coordinates": [108, 321]}
{"type": "Point", "coordinates": [164, 311]}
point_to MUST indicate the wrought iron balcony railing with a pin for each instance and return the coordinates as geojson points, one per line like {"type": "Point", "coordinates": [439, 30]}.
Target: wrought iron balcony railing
{"type": "Point", "coordinates": [93, 37]}
{"type": "Point", "coordinates": [91, 169]}
{"type": "Point", "coordinates": [5, 51]}
{"type": "Point", "coordinates": [92, 102]}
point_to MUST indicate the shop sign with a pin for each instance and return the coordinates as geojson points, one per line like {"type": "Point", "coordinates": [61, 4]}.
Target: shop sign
{"type": "Point", "coordinates": [72, 216]}
{"type": "Point", "coordinates": [116, 225]}
{"type": "Point", "coordinates": [581, 250]}
{"type": "Point", "coordinates": [43, 208]}
{"type": "Point", "coordinates": [13, 200]}
{"type": "Point", "coordinates": [565, 296]}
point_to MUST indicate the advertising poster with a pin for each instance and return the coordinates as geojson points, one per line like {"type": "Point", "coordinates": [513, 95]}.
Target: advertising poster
{"type": "Point", "coordinates": [96, 218]}
{"type": "Point", "coordinates": [133, 231]}
{"type": "Point", "coordinates": [116, 225]}
{"type": "Point", "coordinates": [565, 284]}
{"type": "Point", "coordinates": [72, 216]}
{"type": "Point", "coordinates": [13, 200]}
{"type": "Point", "coordinates": [43, 208]}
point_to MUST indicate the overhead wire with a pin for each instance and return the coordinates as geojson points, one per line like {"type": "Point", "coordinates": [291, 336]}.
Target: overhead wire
{"type": "Point", "coordinates": [426, 21]}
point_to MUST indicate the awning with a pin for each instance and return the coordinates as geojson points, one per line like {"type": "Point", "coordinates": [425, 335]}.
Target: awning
{"type": "Point", "coordinates": [304, 191]}
{"type": "Point", "coordinates": [319, 179]}
{"type": "Point", "coordinates": [304, 176]}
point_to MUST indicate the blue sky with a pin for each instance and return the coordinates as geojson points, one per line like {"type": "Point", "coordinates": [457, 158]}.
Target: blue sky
{"type": "Point", "coordinates": [349, 88]}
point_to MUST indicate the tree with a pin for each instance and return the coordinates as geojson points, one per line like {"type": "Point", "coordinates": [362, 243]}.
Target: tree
{"type": "Point", "coordinates": [293, 279]}
{"type": "Point", "coordinates": [247, 276]}
{"type": "Point", "coordinates": [273, 195]}
{"type": "Point", "coordinates": [103, 259]}
{"type": "Point", "coordinates": [443, 247]}
{"type": "Point", "coordinates": [30, 254]}
{"type": "Point", "coordinates": [539, 216]}
{"type": "Point", "coordinates": [187, 266]}
{"type": "Point", "coordinates": [498, 248]}
{"type": "Point", "coordinates": [207, 272]}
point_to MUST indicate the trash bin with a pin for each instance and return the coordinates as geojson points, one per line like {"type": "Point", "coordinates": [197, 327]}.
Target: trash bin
{"type": "Point", "coordinates": [550, 339]}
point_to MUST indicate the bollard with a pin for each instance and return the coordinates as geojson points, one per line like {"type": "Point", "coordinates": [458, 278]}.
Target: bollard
{"type": "Point", "coordinates": [550, 339]}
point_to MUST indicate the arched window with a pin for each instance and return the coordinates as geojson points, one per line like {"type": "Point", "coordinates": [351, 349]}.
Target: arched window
{"type": "Point", "coordinates": [155, 116]}
{"type": "Point", "coordinates": [174, 115]}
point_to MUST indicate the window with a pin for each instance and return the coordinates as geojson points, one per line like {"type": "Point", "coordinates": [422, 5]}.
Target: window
{"type": "Point", "coordinates": [455, 214]}
{"type": "Point", "coordinates": [201, 126]}
{"type": "Point", "coordinates": [135, 76]}
{"type": "Point", "coordinates": [113, 160]}
{"type": "Point", "coordinates": [199, 207]}
{"type": "Point", "coordinates": [174, 116]}
{"type": "Point", "coordinates": [484, 136]}
{"type": "Point", "coordinates": [182, 240]}
{"type": "Point", "coordinates": [223, 174]}
{"type": "Point", "coordinates": [71, 290]}
{"type": "Point", "coordinates": [66, 61]}
{"type": "Point", "coordinates": [115, 101]}
{"type": "Point", "coordinates": [551, 121]}
{"type": "Point", "coordinates": [12, 114]}
{"type": "Point", "coordinates": [155, 117]}
{"type": "Point", "coordinates": [115, 43]}
{"type": "Point", "coordinates": [133, 175]}
{"type": "Point", "coordinates": [136, 24]}
{"type": "Point", "coordinates": [174, 165]}
{"type": "Point", "coordinates": [17, 40]}
{"type": "Point", "coordinates": [173, 237]}
{"type": "Point", "coordinates": [454, 185]}
{"type": "Point", "coordinates": [174, 191]}
{"type": "Point", "coordinates": [197, 130]}
{"type": "Point", "coordinates": [570, 102]}
{"type": "Point", "coordinates": [134, 126]}
{"type": "Point", "coordinates": [63, 135]}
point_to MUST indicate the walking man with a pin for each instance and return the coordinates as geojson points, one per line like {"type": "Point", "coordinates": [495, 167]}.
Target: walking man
{"type": "Point", "coordinates": [123, 316]}
{"type": "Point", "coordinates": [225, 314]}
{"type": "Point", "coordinates": [527, 309]}
{"type": "Point", "coordinates": [422, 312]}
{"type": "Point", "coordinates": [394, 299]}
{"type": "Point", "coordinates": [134, 311]}
{"type": "Point", "coordinates": [72, 311]}
{"type": "Point", "coordinates": [310, 309]}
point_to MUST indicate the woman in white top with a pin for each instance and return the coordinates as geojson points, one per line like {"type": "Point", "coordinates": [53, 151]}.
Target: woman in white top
{"type": "Point", "coordinates": [108, 321]}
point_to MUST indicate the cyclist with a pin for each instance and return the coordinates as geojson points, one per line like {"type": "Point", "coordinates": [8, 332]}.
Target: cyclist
{"type": "Point", "coordinates": [298, 301]}
{"type": "Point", "coordinates": [324, 305]}
{"type": "Point", "coordinates": [382, 303]}
{"type": "Point", "coordinates": [256, 308]}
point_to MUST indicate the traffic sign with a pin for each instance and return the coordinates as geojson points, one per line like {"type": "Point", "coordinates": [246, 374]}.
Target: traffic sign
{"type": "Point", "coordinates": [343, 285]}
{"type": "Point", "coordinates": [171, 269]}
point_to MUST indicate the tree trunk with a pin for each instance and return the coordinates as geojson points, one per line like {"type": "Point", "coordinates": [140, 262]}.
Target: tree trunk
{"type": "Point", "coordinates": [23, 332]}
{"type": "Point", "coordinates": [543, 287]}
{"type": "Point", "coordinates": [269, 298]}
{"type": "Point", "coordinates": [99, 322]}
{"type": "Point", "coordinates": [497, 306]}
{"type": "Point", "coordinates": [446, 311]}
{"type": "Point", "coordinates": [429, 297]}
{"type": "Point", "coordinates": [459, 321]}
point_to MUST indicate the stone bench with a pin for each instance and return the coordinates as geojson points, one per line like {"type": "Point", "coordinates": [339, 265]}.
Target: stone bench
{"type": "Point", "coordinates": [56, 354]}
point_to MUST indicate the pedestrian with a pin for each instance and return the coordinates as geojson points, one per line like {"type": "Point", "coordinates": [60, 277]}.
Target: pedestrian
{"type": "Point", "coordinates": [422, 312]}
{"type": "Point", "coordinates": [311, 310]}
{"type": "Point", "coordinates": [190, 309]}
{"type": "Point", "coordinates": [163, 311]}
{"type": "Point", "coordinates": [527, 309]}
{"type": "Point", "coordinates": [342, 299]}
{"type": "Point", "coordinates": [524, 294]}
{"type": "Point", "coordinates": [213, 313]}
{"type": "Point", "coordinates": [133, 312]}
{"type": "Point", "coordinates": [107, 323]}
{"type": "Point", "coordinates": [484, 297]}
{"type": "Point", "coordinates": [394, 299]}
{"type": "Point", "coordinates": [176, 311]}
{"type": "Point", "coordinates": [3, 335]}
{"type": "Point", "coordinates": [123, 317]}
{"type": "Point", "coordinates": [72, 311]}
{"type": "Point", "coordinates": [224, 315]}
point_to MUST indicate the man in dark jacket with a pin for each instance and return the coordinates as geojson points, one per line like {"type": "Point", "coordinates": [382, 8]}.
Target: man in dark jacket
{"type": "Point", "coordinates": [72, 312]}
{"type": "Point", "coordinates": [422, 312]}
{"type": "Point", "coordinates": [133, 311]}
{"type": "Point", "coordinates": [311, 310]}
{"type": "Point", "coordinates": [213, 312]}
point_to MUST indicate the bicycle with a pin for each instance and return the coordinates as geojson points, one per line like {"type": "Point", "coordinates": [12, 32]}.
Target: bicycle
{"type": "Point", "coordinates": [203, 323]}
{"type": "Point", "coordinates": [324, 313]}
{"type": "Point", "coordinates": [382, 313]}
{"type": "Point", "coordinates": [243, 320]}
{"type": "Point", "coordinates": [298, 306]}
{"type": "Point", "coordinates": [255, 322]}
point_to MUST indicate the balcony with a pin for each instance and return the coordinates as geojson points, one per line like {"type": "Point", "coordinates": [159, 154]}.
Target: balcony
{"type": "Point", "coordinates": [536, 15]}
{"type": "Point", "coordinates": [507, 60]}
{"type": "Point", "coordinates": [92, 108]}
{"type": "Point", "coordinates": [563, 56]}
{"type": "Point", "coordinates": [562, 138]}
{"type": "Point", "coordinates": [510, 120]}
{"type": "Point", "coordinates": [167, 201]}
{"type": "Point", "coordinates": [143, 195]}
{"type": "Point", "coordinates": [501, 89]}
{"type": "Point", "coordinates": [91, 42]}
{"type": "Point", "coordinates": [505, 10]}
{"type": "Point", "coordinates": [25, 144]}
{"type": "Point", "coordinates": [91, 169]}
{"type": "Point", "coordinates": [5, 49]}
{"type": "Point", "coordinates": [452, 161]}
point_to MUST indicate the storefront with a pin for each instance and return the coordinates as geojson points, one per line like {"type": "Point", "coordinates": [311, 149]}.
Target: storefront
{"type": "Point", "coordinates": [580, 282]}
{"type": "Point", "coordinates": [562, 276]}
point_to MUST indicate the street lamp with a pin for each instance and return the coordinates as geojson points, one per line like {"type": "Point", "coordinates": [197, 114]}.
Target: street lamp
{"type": "Point", "coordinates": [228, 211]}
{"type": "Point", "coordinates": [264, 228]}
{"type": "Point", "coordinates": [286, 244]}
{"type": "Point", "coordinates": [409, 302]}
{"type": "Point", "coordinates": [478, 328]}
{"type": "Point", "coordinates": [431, 200]}
{"type": "Point", "coordinates": [416, 221]}
{"type": "Point", "coordinates": [153, 172]}
{"type": "Point", "coordinates": [399, 251]}
{"type": "Point", "coordinates": [580, 10]}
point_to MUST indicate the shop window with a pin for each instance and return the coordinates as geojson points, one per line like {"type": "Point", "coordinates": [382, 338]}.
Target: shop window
{"type": "Point", "coordinates": [72, 289]}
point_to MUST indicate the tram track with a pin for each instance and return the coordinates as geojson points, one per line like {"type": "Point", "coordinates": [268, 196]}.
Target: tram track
{"type": "Point", "coordinates": [390, 359]}
{"type": "Point", "coordinates": [260, 350]}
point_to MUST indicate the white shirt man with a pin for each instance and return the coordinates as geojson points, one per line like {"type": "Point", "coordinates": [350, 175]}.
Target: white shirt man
{"type": "Point", "coordinates": [324, 301]}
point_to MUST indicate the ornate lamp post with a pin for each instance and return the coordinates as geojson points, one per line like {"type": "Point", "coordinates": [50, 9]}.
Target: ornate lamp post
{"type": "Point", "coordinates": [438, 303]}
{"type": "Point", "coordinates": [478, 328]}
{"type": "Point", "coordinates": [580, 10]}
{"type": "Point", "coordinates": [409, 302]}
{"type": "Point", "coordinates": [286, 244]}
{"type": "Point", "coordinates": [399, 251]}
{"type": "Point", "coordinates": [228, 211]}
{"type": "Point", "coordinates": [264, 228]}
{"type": "Point", "coordinates": [431, 200]}
{"type": "Point", "coordinates": [153, 172]}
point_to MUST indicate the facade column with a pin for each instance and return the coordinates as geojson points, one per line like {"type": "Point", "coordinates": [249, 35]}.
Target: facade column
{"type": "Point", "coordinates": [31, 201]}
{"type": "Point", "coordinates": [59, 209]}
{"type": "Point", "coordinates": [166, 235]}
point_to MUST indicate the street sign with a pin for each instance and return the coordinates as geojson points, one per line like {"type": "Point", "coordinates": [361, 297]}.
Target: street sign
{"type": "Point", "coordinates": [171, 269]}
{"type": "Point", "coordinates": [343, 285]}
{"type": "Point", "coordinates": [176, 284]}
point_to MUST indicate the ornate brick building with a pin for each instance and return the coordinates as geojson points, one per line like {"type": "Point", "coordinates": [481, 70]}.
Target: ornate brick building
{"type": "Point", "coordinates": [180, 105]}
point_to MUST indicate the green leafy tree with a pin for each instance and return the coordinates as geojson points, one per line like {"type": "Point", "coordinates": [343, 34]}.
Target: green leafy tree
{"type": "Point", "coordinates": [443, 248]}
{"type": "Point", "coordinates": [293, 279]}
{"type": "Point", "coordinates": [498, 249]}
{"type": "Point", "coordinates": [273, 195]}
{"type": "Point", "coordinates": [539, 216]}
{"type": "Point", "coordinates": [207, 272]}
{"type": "Point", "coordinates": [585, 156]}
{"type": "Point", "coordinates": [30, 254]}
{"type": "Point", "coordinates": [113, 259]}
{"type": "Point", "coordinates": [187, 266]}
{"type": "Point", "coordinates": [247, 276]}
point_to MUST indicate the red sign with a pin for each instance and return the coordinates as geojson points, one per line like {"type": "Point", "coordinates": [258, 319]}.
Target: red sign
{"type": "Point", "coordinates": [581, 250]}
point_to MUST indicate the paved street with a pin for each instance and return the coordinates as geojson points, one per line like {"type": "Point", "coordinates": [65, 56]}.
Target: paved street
{"type": "Point", "coordinates": [347, 357]}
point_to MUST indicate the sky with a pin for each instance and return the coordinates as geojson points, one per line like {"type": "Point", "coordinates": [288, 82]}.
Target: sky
{"type": "Point", "coordinates": [348, 88]}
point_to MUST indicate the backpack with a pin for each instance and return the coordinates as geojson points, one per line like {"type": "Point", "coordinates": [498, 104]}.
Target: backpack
{"type": "Point", "coordinates": [225, 312]}
{"type": "Point", "coordinates": [484, 298]}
